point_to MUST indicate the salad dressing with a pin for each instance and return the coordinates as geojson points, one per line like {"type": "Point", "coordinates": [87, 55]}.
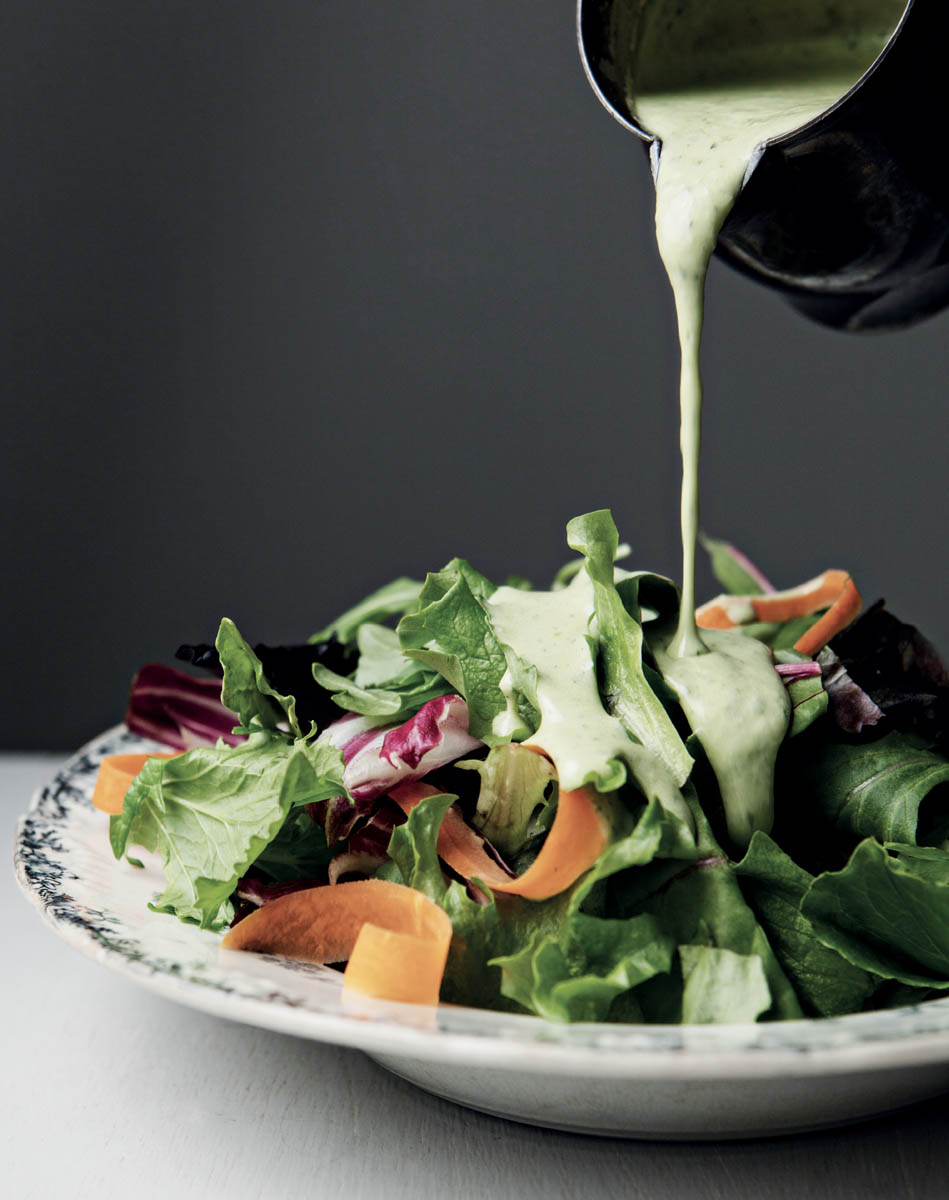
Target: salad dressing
{"type": "Point", "coordinates": [547, 632]}
{"type": "Point", "coordinates": [717, 81]}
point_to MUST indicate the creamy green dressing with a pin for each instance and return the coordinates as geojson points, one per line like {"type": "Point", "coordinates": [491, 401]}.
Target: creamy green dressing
{"type": "Point", "coordinates": [546, 633]}
{"type": "Point", "coordinates": [714, 81]}
{"type": "Point", "coordinates": [738, 708]}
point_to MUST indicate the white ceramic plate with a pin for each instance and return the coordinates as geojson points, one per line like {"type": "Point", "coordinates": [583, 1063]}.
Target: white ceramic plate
{"type": "Point", "coordinates": [620, 1080]}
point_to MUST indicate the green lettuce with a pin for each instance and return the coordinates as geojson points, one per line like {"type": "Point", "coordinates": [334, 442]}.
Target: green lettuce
{"type": "Point", "coordinates": [210, 813]}
{"type": "Point", "coordinates": [620, 638]}
{"type": "Point", "coordinates": [385, 684]}
{"type": "Point", "coordinates": [514, 786]}
{"type": "Point", "coordinates": [246, 690]}
{"type": "Point", "coordinates": [720, 986]}
{"type": "Point", "coordinates": [393, 600]}
{"type": "Point", "coordinates": [891, 789]}
{"type": "Point", "coordinates": [452, 634]}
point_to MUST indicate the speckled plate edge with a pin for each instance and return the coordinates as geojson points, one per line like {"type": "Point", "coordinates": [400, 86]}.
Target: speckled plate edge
{"type": "Point", "coordinates": [65, 867]}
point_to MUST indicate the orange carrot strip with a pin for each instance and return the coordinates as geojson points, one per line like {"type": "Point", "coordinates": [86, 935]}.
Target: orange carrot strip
{"type": "Point", "coordinates": [115, 778]}
{"type": "Point", "coordinates": [811, 597]}
{"type": "Point", "coordinates": [395, 939]}
{"type": "Point", "coordinates": [826, 591]}
{"type": "Point", "coordinates": [844, 610]}
{"type": "Point", "coordinates": [576, 840]}
{"type": "Point", "coordinates": [458, 844]}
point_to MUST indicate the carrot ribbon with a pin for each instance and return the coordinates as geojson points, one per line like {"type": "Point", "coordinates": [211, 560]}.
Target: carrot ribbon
{"type": "Point", "coordinates": [834, 591]}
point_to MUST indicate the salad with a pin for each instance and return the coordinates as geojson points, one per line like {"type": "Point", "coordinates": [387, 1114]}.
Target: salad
{"type": "Point", "coordinates": [515, 799]}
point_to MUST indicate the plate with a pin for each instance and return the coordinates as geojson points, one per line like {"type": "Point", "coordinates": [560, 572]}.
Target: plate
{"type": "Point", "coordinates": [615, 1080]}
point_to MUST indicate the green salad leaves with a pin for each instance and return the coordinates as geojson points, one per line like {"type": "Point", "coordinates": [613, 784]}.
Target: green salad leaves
{"type": "Point", "coordinates": [500, 700]}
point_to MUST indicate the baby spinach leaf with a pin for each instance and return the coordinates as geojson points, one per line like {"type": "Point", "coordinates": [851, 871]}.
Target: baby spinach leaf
{"type": "Point", "coordinates": [887, 912]}
{"type": "Point", "coordinates": [876, 789]}
{"type": "Point", "coordinates": [775, 886]}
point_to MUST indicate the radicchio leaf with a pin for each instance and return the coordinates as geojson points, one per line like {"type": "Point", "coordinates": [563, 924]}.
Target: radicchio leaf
{"type": "Point", "coordinates": [899, 671]}
{"type": "Point", "coordinates": [378, 759]}
{"type": "Point", "coordinates": [850, 705]}
{"type": "Point", "coordinates": [179, 710]}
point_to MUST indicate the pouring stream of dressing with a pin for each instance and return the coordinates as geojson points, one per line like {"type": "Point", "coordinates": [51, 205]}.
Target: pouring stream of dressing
{"type": "Point", "coordinates": [716, 80]}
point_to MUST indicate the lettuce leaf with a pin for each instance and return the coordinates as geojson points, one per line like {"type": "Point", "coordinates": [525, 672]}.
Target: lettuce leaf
{"type": "Point", "coordinates": [892, 789]}
{"type": "Point", "coordinates": [452, 634]}
{"type": "Point", "coordinates": [620, 636]}
{"type": "Point", "coordinates": [720, 986]}
{"type": "Point", "coordinates": [514, 784]}
{"type": "Point", "coordinates": [736, 573]}
{"type": "Point", "coordinates": [392, 600]}
{"type": "Point", "coordinates": [246, 688]}
{"type": "Point", "coordinates": [385, 684]}
{"type": "Point", "coordinates": [210, 813]}
{"type": "Point", "coordinates": [299, 850]}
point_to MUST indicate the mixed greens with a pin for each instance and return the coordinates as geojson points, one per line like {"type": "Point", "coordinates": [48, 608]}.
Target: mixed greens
{"type": "Point", "coordinates": [294, 763]}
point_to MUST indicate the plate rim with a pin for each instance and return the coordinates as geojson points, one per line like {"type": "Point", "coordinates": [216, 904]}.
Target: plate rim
{"type": "Point", "coordinates": [850, 1044]}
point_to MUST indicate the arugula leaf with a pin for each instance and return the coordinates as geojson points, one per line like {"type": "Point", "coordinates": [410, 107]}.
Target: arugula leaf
{"type": "Point", "coordinates": [246, 689]}
{"type": "Point", "coordinates": [395, 598]}
{"type": "Point", "coordinates": [211, 812]}
{"type": "Point", "coordinates": [620, 637]}
{"type": "Point", "coordinates": [720, 986]}
{"type": "Point", "coordinates": [388, 704]}
{"type": "Point", "coordinates": [775, 887]}
{"type": "Point", "coordinates": [385, 684]}
{"type": "Point", "coordinates": [514, 782]}
{"type": "Point", "coordinates": [891, 789]}
{"type": "Point", "coordinates": [887, 912]}
{"type": "Point", "coordinates": [452, 634]}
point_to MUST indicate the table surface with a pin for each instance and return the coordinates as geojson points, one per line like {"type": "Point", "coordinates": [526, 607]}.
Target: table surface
{"type": "Point", "coordinates": [116, 1092]}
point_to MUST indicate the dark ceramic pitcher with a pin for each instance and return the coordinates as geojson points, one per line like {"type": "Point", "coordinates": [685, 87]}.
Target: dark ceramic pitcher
{"type": "Point", "coordinates": [847, 217]}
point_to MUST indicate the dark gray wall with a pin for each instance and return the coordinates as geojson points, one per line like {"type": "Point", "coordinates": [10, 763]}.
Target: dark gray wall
{"type": "Point", "coordinates": [308, 294]}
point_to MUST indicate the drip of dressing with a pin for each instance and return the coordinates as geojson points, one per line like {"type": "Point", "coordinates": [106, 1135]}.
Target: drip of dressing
{"type": "Point", "coordinates": [716, 81]}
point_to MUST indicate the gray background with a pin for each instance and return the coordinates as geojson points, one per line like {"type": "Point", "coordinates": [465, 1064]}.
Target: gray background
{"type": "Point", "coordinates": [308, 294]}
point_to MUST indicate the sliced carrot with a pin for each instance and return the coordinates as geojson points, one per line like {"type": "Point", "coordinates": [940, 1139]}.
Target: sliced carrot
{"type": "Point", "coordinates": [834, 591]}
{"type": "Point", "coordinates": [395, 939]}
{"type": "Point", "coordinates": [458, 844]}
{"type": "Point", "coordinates": [115, 778]}
{"type": "Point", "coordinates": [846, 608]}
{"type": "Point", "coordinates": [576, 840]}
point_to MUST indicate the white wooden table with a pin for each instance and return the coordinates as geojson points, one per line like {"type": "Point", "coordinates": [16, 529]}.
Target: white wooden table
{"type": "Point", "coordinates": [109, 1091]}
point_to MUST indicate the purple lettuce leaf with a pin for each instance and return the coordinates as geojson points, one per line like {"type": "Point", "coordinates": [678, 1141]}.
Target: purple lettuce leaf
{"type": "Point", "coordinates": [179, 710]}
{"type": "Point", "coordinates": [377, 759]}
{"type": "Point", "coordinates": [898, 673]}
